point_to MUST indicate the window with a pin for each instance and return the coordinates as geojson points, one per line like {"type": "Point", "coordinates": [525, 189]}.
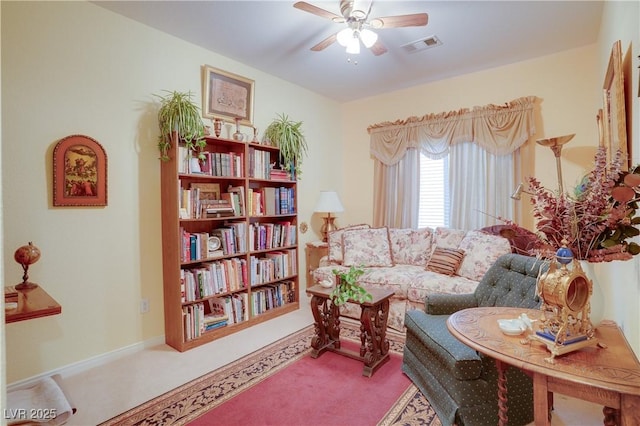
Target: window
{"type": "Point", "coordinates": [434, 204]}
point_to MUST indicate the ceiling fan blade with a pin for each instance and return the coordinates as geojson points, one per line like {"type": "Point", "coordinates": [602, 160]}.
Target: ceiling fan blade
{"type": "Point", "coordinates": [378, 48]}
{"type": "Point", "coordinates": [302, 5]}
{"type": "Point", "coordinates": [325, 43]}
{"type": "Point", "coordinates": [414, 20]}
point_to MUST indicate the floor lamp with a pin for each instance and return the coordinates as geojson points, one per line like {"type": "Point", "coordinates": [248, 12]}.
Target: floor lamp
{"type": "Point", "coordinates": [328, 202]}
{"type": "Point", "coordinates": [556, 146]}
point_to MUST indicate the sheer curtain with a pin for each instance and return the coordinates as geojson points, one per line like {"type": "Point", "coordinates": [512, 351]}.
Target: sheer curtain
{"type": "Point", "coordinates": [497, 130]}
{"type": "Point", "coordinates": [480, 186]}
{"type": "Point", "coordinates": [396, 199]}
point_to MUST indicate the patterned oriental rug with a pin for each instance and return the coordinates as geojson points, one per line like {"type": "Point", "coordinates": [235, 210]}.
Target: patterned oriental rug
{"type": "Point", "coordinates": [222, 396]}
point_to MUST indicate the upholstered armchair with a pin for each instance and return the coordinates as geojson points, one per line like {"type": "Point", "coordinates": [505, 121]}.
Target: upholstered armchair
{"type": "Point", "coordinates": [461, 384]}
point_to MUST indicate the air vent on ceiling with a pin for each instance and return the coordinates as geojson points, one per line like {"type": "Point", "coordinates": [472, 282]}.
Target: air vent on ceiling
{"type": "Point", "coordinates": [422, 44]}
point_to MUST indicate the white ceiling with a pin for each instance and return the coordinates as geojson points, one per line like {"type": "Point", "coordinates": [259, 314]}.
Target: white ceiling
{"type": "Point", "coordinates": [275, 37]}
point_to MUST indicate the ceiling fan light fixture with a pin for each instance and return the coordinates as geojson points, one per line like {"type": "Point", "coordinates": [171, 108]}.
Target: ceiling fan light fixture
{"type": "Point", "coordinates": [345, 36]}
{"type": "Point", "coordinates": [368, 37]}
{"type": "Point", "coordinates": [354, 46]}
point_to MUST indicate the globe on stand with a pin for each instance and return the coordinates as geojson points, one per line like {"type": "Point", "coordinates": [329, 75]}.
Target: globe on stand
{"type": "Point", "coordinates": [25, 256]}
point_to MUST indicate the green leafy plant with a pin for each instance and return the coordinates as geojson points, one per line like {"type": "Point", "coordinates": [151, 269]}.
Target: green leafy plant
{"type": "Point", "coordinates": [288, 137]}
{"type": "Point", "coordinates": [179, 113]}
{"type": "Point", "coordinates": [347, 287]}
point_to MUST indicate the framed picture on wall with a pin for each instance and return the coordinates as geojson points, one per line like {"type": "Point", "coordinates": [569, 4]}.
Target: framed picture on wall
{"type": "Point", "coordinates": [614, 115]}
{"type": "Point", "coordinates": [226, 96]}
{"type": "Point", "coordinates": [79, 172]}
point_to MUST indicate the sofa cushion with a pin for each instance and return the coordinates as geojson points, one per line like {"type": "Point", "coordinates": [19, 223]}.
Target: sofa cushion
{"type": "Point", "coordinates": [366, 247]}
{"type": "Point", "coordinates": [397, 278]}
{"type": "Point", "coordinates": [448, 238]}
{"type": "Point", "coordinates": [334, 238]}
{"type": "Point", "coordinates": [429, 282]}
{"type": "Point", "coordinates": [445, 260]}
{"type": "Point", "coordinates": [482, 251]}
{"type": "Point", "coordinates": [410, 246]}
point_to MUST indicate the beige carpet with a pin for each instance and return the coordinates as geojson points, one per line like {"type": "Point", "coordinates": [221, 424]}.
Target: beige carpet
{"type": "Point", "coordinates": [189, 401]}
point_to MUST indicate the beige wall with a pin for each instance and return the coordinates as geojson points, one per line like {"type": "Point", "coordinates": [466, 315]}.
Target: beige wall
{"type": "Point", "coordinates": [75, 68]}
{"type": "Point", "coordinates": [569, 85]}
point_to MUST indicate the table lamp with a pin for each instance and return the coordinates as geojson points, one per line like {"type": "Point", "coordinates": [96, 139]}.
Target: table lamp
{"type": "Point", "coordinates": [328, 202]}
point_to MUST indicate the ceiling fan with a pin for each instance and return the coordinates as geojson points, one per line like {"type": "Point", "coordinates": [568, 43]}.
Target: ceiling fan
{"type": "Point", "coordinates": [355, 14]}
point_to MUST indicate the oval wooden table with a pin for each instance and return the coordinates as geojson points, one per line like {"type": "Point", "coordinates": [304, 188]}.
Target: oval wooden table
{"type": "Point", "coordinates": [607, 376]}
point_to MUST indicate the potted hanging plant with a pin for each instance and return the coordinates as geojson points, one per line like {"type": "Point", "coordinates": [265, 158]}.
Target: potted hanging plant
{"type": "Point", "coordinates": [347, 287]}
{"type": "Point", "coordinates": [288, 137]}
{"type": "Point", "coordinates": [179, 113]}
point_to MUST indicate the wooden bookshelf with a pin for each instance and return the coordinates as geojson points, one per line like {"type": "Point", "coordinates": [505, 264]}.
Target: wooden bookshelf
{"type": "Point", "coordinates": [274, 291]}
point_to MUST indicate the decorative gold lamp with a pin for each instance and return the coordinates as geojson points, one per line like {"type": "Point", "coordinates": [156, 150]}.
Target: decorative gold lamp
{"type": "Point", "coordinates": [25, 256]}
{"type": "Point", "coordinates": [328, 202]}
{"type": "Point", "coordinates": [565, 292]}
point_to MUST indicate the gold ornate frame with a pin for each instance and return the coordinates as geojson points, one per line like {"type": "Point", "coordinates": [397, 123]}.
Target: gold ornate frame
{"type": "Point", "coordinates": [614, 116]}
{"type": "Point", "coordinates": [227, 96]}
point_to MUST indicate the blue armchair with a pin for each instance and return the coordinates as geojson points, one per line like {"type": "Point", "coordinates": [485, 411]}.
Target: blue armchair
{"type": "Point", "coordinates": [461, 384]}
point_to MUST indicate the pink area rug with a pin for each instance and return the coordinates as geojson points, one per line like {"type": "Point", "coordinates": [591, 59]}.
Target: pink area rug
{"type": "Point", "coordinates": [282, 385]}
{"type": "Point", "coordinates": [328, 390]}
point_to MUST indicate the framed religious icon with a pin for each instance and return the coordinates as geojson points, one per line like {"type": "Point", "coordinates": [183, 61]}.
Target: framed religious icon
{"type": "Point", "coordinates": [226, 96]}
{"type": "Point", "coordinates": [614, 115]}
{"type": "Point", "coordinates": [79, 172]}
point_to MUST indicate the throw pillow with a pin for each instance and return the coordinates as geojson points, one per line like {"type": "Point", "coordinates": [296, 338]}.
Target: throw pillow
{"type": "Point", "coordinates": [410, 246]}
{"type": "Point", "coordinates": [445, 260]}
{"type": "Point", "coordinates": [334, 238]}
{"type": "Point", "coordinates": [482, 251]}
{"type": "Point", "coordinates": [367, 247]}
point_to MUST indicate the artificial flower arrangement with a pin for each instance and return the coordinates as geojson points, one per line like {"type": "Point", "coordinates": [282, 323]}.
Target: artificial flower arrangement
{"type": "Point", "coordinates": [597, 221]}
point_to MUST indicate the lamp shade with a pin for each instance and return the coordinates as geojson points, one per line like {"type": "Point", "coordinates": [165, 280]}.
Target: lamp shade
{"type": "Point", "coordinates": [345, 36]}
{"type": "Point", "coordinates": [328, 202]}
{"type": "Point", "coordinates": [368, 37]}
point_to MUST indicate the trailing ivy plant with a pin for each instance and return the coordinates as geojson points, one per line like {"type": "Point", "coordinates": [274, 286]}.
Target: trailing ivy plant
{"type": "Point", "coordinates": [347, 287]}
{"type": "Point", "coordinates": [179, 113]}
{"type": "Point", "coordinates": [288, 137]}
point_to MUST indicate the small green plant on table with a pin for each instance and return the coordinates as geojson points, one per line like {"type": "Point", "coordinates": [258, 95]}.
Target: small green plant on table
{"type": "Point", "coordinates": [347, 287]}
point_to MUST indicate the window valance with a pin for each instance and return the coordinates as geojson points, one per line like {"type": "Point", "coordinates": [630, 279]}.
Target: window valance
{"type": "Point", "coordinates": [499, 129]}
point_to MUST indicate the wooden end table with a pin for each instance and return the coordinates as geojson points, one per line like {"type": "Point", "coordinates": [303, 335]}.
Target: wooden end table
{"type": "Point", "coordinates": [374, 347]}
{"type": "Point", "coordinates": [609, 376]}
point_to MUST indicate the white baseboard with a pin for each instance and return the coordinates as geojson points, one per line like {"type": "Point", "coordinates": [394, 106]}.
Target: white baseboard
{"type": "Point", "coordinates": [93, 362]}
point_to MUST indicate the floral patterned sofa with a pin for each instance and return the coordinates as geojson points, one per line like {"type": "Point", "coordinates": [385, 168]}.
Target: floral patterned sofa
{"type": "Point", "coordinates": [411, 262]}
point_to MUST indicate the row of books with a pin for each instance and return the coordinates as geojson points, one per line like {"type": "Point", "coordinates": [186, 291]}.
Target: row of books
{"type": "Point", "coordinates": [233, 237]}
{"type": "Point", "coordinates": [213, 278]}
{"type": "Point", "coordinates": [271, 201]}
{"type": "Point", "coordinates": [273, 266]}
{"type": "Point", "coordinates": [259, 163]}
{"type": "Point", "coordinates": [272, 296]}
{"type": "Point", "coordinates": [228, 164]}
{"type": "Point", "coordinates": [217, 312]}
{"type": "Point", "coordinates": [202, 200]}
{"type": "Point", "coordinates": [265, 236]}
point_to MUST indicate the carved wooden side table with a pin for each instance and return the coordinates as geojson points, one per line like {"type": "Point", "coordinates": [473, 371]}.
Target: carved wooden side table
{"type": "Point", "coordinates": [374, 347]}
